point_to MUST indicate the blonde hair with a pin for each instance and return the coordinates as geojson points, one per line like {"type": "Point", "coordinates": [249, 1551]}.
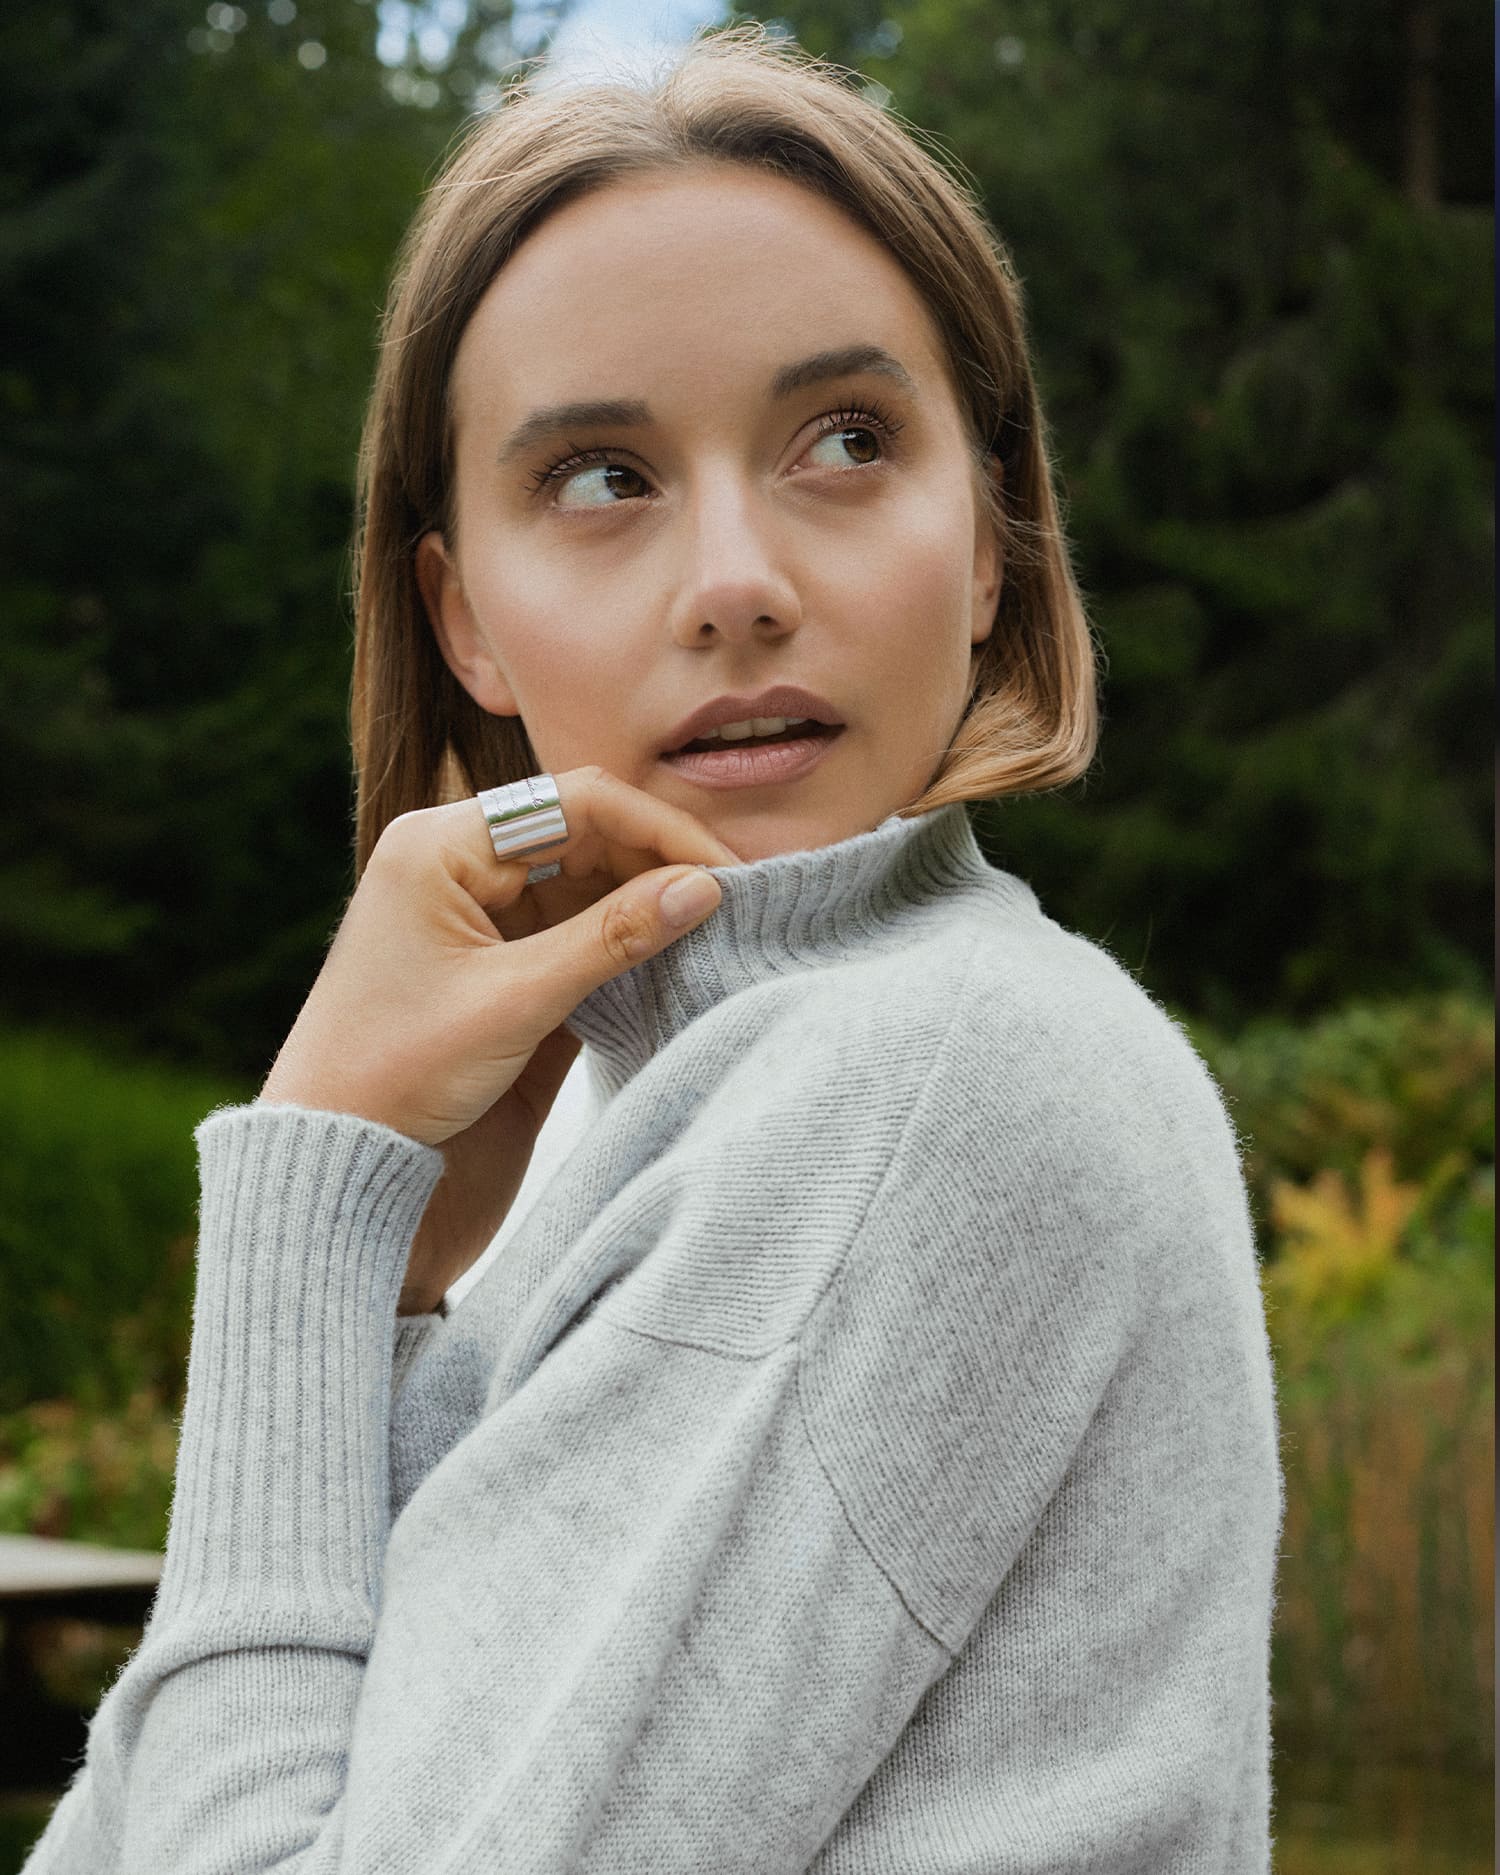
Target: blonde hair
{"type": "Point", "coordinates": [739, 95]}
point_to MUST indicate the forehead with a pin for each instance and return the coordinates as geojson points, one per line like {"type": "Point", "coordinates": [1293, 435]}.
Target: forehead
{"type": "Point", "coordinates": [702, 277]}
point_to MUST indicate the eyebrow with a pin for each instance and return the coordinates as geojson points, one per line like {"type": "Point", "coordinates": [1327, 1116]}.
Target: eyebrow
{"type": "Point", "coordinates": [629, 413]}
{"type": "Point", "coordinates": [843, 362]}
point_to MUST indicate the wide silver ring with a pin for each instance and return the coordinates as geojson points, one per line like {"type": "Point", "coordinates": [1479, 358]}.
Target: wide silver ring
{"type": "Point", "coordinates": [525, 817]}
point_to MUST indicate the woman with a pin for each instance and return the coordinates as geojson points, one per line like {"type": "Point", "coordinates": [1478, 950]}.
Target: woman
{"type": "Point", "coordinates": [863, 1455]}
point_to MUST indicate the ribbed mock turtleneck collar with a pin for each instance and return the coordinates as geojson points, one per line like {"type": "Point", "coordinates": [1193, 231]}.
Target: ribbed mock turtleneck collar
{"type": "Point", "coordinates": [785, 913]}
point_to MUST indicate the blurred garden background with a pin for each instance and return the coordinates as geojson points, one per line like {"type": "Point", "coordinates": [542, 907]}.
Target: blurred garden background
{"type": "Point", "coordinates": [1257, 248]}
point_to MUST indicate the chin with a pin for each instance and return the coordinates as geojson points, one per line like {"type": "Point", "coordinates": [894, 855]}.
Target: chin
{"type": "Point", "coordinates": [761, 833]}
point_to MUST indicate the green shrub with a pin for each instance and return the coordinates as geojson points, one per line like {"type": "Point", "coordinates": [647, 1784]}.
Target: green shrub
{"type": "Point", "coordinates": [92, 1474]}
{"type": "Point", "coordinates": [1384, 1637]}
{"type": "Point", "coordinates": [1368, 1141]}
{"type": "Point", "coordinates": [98, 1202]}
{"type": "Point", "coordinates": [1413, 1079]}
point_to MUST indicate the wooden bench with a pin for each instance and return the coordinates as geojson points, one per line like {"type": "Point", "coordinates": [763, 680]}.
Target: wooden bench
{"type": "Point", "coordinates": [43, 1581]}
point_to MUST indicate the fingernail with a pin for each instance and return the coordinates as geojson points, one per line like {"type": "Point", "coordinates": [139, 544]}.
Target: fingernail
{"type": "Point", "coordinates": [689, 897]}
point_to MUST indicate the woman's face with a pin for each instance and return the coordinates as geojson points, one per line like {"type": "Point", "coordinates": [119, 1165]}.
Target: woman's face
{"type": "Point", "coordinates": [778, 493]}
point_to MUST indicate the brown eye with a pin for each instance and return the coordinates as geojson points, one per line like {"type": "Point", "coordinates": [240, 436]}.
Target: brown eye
{"type": "Point", "coordinates": [604, 478]}
{"type": "Point", "coordinates": [854, 443]}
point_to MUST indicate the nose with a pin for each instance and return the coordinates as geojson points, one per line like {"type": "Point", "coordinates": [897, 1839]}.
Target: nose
{"type": "Point", "coordinates": [733, 586]}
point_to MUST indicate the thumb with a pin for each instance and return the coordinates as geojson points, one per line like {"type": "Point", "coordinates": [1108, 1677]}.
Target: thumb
{"type": "Point", "coordinates": [614, 934]}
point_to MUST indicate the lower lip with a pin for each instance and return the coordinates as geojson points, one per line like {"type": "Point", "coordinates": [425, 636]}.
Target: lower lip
{"type": "Point", "coordinates": [758, 767]}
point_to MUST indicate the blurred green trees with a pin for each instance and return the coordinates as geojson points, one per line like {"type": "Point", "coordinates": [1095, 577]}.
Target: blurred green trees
{"type": "Point", "coordinates": [1256, 250]}
{"type": "Point", "coordinates": [198, 226]}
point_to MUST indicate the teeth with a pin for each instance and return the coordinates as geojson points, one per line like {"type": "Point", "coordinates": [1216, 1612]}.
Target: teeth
{"type": "Point", "coordinates": [754, 726]}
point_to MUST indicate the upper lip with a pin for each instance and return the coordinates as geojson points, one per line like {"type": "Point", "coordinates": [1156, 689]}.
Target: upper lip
{"type": "Point", "coordinates": [779, 700]}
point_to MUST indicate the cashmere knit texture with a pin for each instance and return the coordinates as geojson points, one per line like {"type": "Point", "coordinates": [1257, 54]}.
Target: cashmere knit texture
{"type": "Point", "coordinates": [862, 1459]}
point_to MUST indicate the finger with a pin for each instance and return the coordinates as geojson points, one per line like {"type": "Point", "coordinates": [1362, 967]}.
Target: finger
{"type": "Point", "coordinates": [549, 974]}
{"type": "Point", "coordinates": [602, 809]}
{"type": "Point", "coordinates": [611, 826]}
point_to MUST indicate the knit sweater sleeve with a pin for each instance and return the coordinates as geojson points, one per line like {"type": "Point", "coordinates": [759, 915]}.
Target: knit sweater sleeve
{"type": "Point", "coordinates": [673, 1600]}
{"type": "Point", "coordinates": [279, 1511]}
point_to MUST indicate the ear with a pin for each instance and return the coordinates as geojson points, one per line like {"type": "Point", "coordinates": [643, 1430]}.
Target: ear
{"type": "Point", "coordinates": [989, 563]}
{"type": "Point", "coordinates": [465, 650]}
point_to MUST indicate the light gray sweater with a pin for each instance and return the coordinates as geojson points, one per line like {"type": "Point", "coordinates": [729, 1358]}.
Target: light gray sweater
{"type": "Point", "coordinates": [862, 1459]}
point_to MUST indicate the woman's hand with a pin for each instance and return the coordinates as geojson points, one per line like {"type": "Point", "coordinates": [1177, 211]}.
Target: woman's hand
{"type": "Point", "coordinates": [439, 1006]}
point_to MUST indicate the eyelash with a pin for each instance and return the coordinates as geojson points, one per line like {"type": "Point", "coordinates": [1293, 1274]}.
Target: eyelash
{"type": "Point", "coordinates": [871, 416]}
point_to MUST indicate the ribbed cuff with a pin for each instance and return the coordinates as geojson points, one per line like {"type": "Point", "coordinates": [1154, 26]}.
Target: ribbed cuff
{"type": "Point", "coordinates": [305, 1225]}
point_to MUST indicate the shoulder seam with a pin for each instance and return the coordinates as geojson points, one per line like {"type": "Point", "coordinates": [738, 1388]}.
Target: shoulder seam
{"type": "Point", "coordinates": [853, 1527]}
{"type": "Point", "coordinates": [743, 1357]}
{"type": "Point", "coordinates": [960, 1004]}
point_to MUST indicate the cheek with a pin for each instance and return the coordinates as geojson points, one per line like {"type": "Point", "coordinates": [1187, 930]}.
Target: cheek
{"type": "Point", "coordinates": [918, 600]}
{"type": "Point", "coordinates": [534, 624]}
{"type": "Point", "coordinates": [564, 643]}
